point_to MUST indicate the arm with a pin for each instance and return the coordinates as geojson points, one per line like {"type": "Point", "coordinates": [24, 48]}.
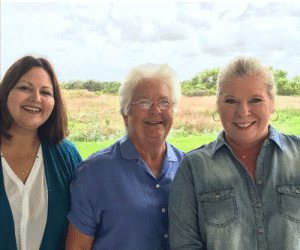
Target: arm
{"type": "Point", "coordinates": [183, 211]}
{"type": "Point", "coordinates": [78, 241]}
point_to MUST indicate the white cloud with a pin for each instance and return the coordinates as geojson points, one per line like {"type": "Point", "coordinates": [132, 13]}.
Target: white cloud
{"type": "Point", "coordinates": [104, 41]}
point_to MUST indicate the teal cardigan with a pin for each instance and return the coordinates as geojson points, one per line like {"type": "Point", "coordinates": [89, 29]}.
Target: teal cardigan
{"type": "Point", "coordinates": [59, 161]}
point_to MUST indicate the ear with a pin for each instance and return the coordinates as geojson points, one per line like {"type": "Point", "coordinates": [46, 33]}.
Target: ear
{"type": "Point", "coordinates": [125, 118]}
{"type": "Point", "coordinates": [272, 108]}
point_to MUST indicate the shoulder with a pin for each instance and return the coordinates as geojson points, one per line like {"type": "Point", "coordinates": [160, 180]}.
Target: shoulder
{"type": "Point", "coordinates": [65, 152]}
{"type": "Point", "coordinates": [203, 154]}
{"type": "Point", "coordinates": [105, 153]}
{"type": "Point", "coordinates": [204, 150]}
{"type": "Point", "coordinates": [64, 145]}
{"type": "Point", "coordinates": [177, 152]}
{"type": "Point", "coordinates": [67, 146]}
{"type": "Point", "coordinates": [104, 159]}
{"type": "Point", "coordinates": [289, 141]}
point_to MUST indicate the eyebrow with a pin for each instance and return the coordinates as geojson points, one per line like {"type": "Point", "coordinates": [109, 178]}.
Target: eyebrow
{"type": "Point", "coordinates": [44, 87]}
{"type": "Point", "coordinates": [232, 96]}
{"type": "Point", "coordinates": [163, 97]}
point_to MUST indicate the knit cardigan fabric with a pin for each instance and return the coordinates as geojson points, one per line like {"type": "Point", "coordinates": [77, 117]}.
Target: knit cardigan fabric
{"type": "Point", "coordinates": [59, 162]}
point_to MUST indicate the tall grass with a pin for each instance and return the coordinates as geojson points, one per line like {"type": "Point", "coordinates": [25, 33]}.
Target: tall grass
{"type": "Point", "coordinates": [97, 118]}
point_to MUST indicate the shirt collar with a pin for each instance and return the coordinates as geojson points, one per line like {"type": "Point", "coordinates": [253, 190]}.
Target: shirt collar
{"type": "Point", "coordinates": [276, 137]}
{"type": "Point", "coordinates": [127, 148]}
{"type": "Point", "coordinates": [129, 152]}
{"type": "Point", "coordinates": [220, 141]}
{"type": "Point", "coordinates": [40, 152]}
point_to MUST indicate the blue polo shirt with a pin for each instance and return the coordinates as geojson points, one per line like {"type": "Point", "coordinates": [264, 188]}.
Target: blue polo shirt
{"type": "Point", "coordinates": [116, 198]}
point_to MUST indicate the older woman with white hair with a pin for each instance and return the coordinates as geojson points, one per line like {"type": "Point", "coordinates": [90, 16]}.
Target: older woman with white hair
{"type": "Point", "coordinates": [120, 194]}
{"type": "Point", "coordinates": [241, 191]}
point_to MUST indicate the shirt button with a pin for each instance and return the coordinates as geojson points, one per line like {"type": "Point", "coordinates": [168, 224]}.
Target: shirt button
{"type": "Point", "coordinates": [297, 191]}
{"type": "Point", "coordinates": [163, 210]}
{"type": "Point", "coordinates": [166, 236]}
{"type": "Point", "coordinates": [259, 182]}
{"type": "Point", "coordinates": [261, 230]}
{"type": "Point", "coordinates": [157, 186]}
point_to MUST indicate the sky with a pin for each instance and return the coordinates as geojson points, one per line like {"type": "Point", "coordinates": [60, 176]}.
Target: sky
{"type": "Point", "coordinates": [103, 41]}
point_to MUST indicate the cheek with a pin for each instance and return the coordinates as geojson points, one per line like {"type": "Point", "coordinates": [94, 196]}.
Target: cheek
{"type": "Point", "coordinates": [11, 104]}
{"type": "Point", "coordinates": [226, 114]}
{"type": "Point", "coordinates": [50, 105]}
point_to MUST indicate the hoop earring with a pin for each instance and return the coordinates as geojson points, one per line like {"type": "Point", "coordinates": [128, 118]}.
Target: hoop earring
{"type": "Point", "coordinates": [214, 117]}
{"type": "Point", "coordinates": [277, 116]}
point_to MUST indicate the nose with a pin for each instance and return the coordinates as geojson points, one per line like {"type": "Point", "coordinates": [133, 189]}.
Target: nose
{"type": "Point", "coordinates": [36, 96]}
{"type": "Point", "coordinates": [243, 109]}
{"type": "Point", "coordinates": [154, 109]}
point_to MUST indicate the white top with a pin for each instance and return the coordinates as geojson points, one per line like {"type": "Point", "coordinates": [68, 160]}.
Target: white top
{"type": "Point", "coordinates": [28, 202]}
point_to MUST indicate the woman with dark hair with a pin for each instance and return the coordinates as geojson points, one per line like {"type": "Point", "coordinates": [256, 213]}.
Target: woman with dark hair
{"type": "Point", "coordinates": [37, 163]}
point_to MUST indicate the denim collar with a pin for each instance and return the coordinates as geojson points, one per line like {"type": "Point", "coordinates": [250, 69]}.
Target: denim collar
{"type": "Point", "coordinates": [220, 141]}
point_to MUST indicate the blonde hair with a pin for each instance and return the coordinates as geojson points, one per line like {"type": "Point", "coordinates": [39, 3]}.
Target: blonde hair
{"type": "Point", "coordinates": [242, 66]}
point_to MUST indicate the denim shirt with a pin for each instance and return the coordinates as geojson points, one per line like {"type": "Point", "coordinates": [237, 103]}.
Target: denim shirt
{"type": "Point", "coordinates": [215, 204]}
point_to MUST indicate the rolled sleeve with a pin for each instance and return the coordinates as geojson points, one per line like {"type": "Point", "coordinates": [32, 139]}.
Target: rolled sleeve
{"type": "Point", "coordinates": [183, 211]}
{"type": "Point", "coordinates": [82, 214]}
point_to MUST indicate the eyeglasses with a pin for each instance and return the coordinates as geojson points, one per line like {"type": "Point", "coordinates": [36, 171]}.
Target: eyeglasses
{"type": "Point", "coordinates": [146, 104]}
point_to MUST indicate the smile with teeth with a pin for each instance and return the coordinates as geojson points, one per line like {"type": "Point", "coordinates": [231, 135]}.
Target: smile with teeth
{"type": "Point", "coordinates": [244, 125]}
{"type": "Point", "coordinates": [31, 108]}
{"type": "Point", "coordinates": [153, 122]}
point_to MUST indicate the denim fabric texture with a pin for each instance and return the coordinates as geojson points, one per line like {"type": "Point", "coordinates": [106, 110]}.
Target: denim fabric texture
{"type": "Point", "coordinates": [215, 204]}
{"type": "Point", "coordinates": [116, 198]}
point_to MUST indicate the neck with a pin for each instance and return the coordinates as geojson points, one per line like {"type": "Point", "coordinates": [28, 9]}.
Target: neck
{"type": "Point", "coordinates": [247, 155]}
{"type": "Point", "coordinates": [20, 139]}
{"type": "Point", "coordinates": [153, 155]}
{"type": "Point", "coordinates": [150, 152]}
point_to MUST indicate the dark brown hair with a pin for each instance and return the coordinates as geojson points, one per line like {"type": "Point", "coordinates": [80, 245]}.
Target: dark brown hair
{"type": "Point", "coordinates": [55, 129]}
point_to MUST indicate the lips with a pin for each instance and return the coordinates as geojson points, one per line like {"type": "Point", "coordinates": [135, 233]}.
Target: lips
{"type": "Point", "coordinates": [153, 122]}
{"type": "Point", "coordinates": [244, 125]}
{"type": "Point", "coordinates": [32, 109]}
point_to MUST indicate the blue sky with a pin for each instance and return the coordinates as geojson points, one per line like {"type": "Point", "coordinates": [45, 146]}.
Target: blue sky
{"type": "Point", "coordinates": [103, 41]}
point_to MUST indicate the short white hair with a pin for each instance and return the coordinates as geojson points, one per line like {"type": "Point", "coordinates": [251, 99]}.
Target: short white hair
{"type": "Point", "coordinates": [147, 72]}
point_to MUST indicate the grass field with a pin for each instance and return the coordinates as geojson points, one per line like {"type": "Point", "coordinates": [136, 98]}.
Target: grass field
{"type": "Point", "coordinates": [95, 122]}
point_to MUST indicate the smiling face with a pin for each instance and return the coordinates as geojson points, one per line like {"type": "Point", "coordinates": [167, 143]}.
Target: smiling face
{"type": "Point", "coordinates": [149, 127]}
{"type": "Point", "coordinates": [30, 102]}
{"type": "Point", "coordinates": [245, 109]}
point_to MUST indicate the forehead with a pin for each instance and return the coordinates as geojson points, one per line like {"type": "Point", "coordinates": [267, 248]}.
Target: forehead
{"type": "Point", "coordinates": [37, 75]}
{"type": "Point", "coordinates": [248, 85]}
{"type": "Point", "coordinates": [151, 87]}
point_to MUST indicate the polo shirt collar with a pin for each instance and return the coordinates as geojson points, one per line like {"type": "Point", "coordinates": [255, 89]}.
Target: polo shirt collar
{"type": "Point", "coordinates": [127, 149]}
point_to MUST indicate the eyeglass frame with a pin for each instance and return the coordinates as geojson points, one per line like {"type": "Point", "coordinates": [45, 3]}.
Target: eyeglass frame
{"type": "Point", "coordinates": [152, 102]}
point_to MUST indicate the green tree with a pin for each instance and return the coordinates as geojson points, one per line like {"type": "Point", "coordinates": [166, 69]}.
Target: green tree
{"type": "Point", "coordinates": [202, 84]}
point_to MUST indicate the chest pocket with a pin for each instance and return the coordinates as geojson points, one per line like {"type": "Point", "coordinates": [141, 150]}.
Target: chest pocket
{"type": "Point", "coordinates": [219, 207]}
{"type": "Point", "coordinates": [289, 201]}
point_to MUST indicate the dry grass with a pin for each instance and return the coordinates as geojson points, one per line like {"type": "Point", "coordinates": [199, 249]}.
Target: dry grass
{"type": "Point", "coordinates": [195, 113]}
{"type": "Point", "coordinates": [287, 102]}
{"type": "Point", "coordinates": [90, 112]}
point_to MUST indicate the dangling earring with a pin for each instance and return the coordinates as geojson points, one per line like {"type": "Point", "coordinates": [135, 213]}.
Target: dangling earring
{"type": "Point", "coordinates": [277, 116]}
{"type": "Point", "coordinates": [214, 116]}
